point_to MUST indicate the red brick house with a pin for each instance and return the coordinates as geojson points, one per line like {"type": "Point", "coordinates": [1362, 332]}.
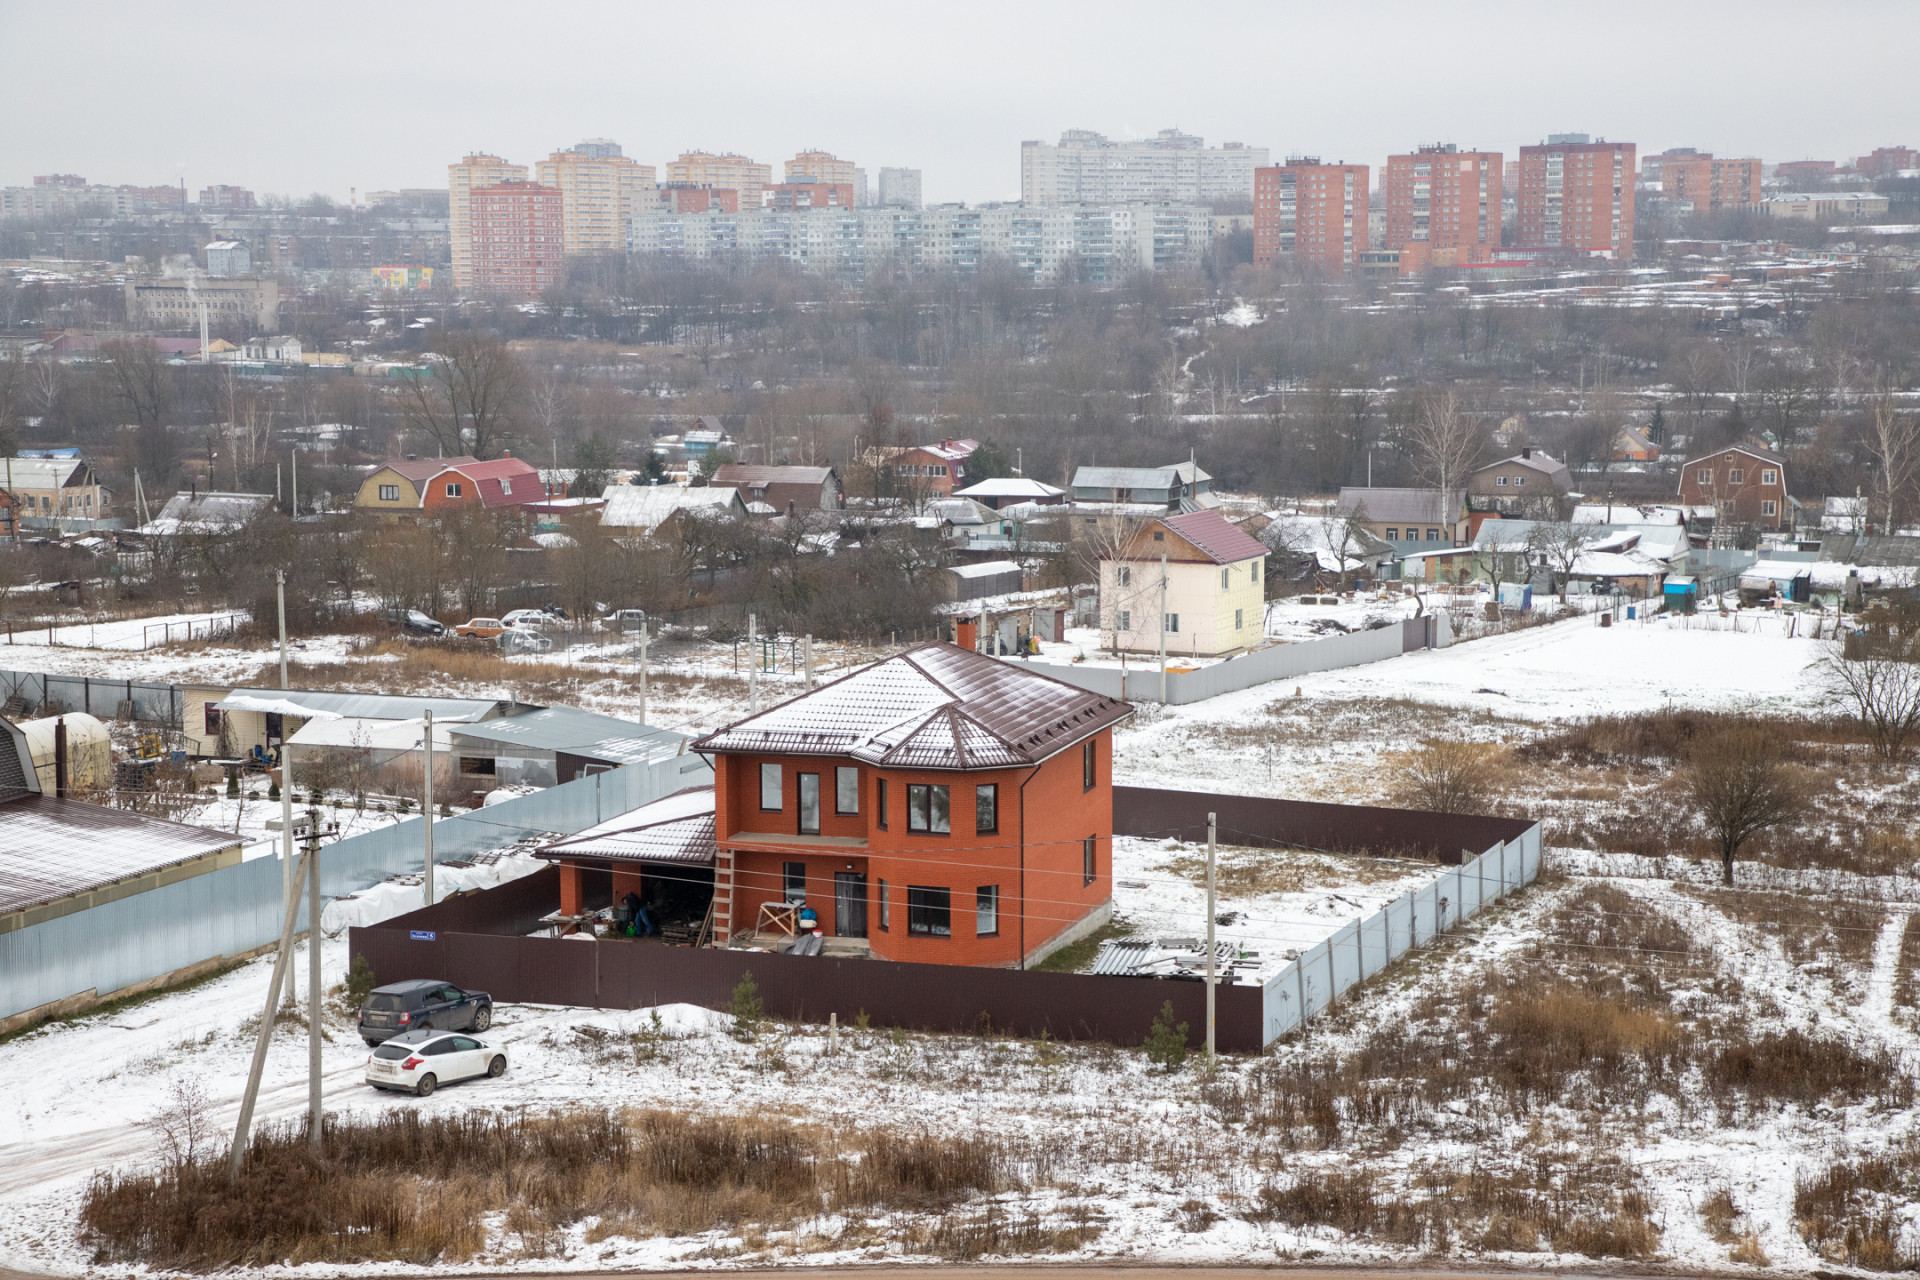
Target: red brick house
{"type": "Point", "coordinates": [1743, 485]}
{"type": "Point", "coordinates": [947, 807]}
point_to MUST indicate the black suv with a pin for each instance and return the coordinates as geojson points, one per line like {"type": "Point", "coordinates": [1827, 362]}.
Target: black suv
{"type": "Point", "coordinates": [423, 1004]}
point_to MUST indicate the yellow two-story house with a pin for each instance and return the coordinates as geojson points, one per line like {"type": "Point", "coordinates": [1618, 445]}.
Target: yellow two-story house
{"type": "Point", "coordinates": [1215, 588]}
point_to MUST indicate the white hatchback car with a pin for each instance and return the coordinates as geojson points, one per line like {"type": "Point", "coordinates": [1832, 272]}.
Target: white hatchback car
{"type": "Point", "coordinates": [422, 1061]}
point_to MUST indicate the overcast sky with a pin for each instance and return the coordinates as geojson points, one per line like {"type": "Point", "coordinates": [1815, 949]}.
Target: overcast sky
{"type": "Point", "coordinates": [296, 98]}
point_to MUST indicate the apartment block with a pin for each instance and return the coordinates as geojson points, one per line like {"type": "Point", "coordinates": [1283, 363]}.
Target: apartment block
{"type": "Point", "coordinates": [808, 195]}
{"type": "Point", "coordinates": [1576, 195]}
{"type": "Point", "coordinates": [226, 197]}
{"type": "Point", "coordinates": [1309, 213]}
{"type": "Point", "coordinates": [1085, 167]}
{"type": "Point", "coordinates": [1709, 182]}
{"type": "Point", "coordinates": [1441, 200]}
{"type": "Point", "coordinates": [518, 239]}
{"type": "Point", "coordinates": [1885, 162]}
{"type": "Point", "coordinates": [900, 188]}
{"type": "Point", "coordinates": [815, 167]}
{"type": "Point", "coordinates": [600, 192]}
{"type": "Point", "coordinates": [472, 172]}
{"type": "Point", "coordinates": [704, 169]}
{"type": "Point", "coordinates": [1795, 174]}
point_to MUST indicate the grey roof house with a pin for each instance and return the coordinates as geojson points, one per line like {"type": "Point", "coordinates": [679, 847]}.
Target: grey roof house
{"type": "Point", "coordinates": [1183, 486]}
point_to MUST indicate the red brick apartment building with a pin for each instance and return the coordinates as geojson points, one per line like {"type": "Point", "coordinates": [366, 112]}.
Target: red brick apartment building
{"type": "Point", "coordinates": [1742, 485]}
{"type": "Point", "coordinates": [1711, 183]}
{"type": "Point", "coordinates": [518, 231]}
{"type": "Point", "coordinates": [1443, 206]}
{"type": "Point", "coordinates": [1314, 213]}
{"type": "Point", "coordinates": [808, 195]}
{"type": "Point", "coordinates": [1577, 195]}
{"type": "Point", "coordinates": [947, 807]}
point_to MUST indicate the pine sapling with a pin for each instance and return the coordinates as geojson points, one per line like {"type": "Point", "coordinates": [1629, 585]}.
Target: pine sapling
{"type": "Point", "coordinates": [1167, 1043]}
{"type": "Point", "coordinates": [747, 1009]}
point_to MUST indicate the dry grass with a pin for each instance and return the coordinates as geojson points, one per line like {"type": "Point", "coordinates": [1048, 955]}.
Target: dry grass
{"type": "Point", "coordinates": [402, 1188]}
{"type": "Point", "coordinates": [1854, 1211]}
{"type": "Point", "coordinates": [1247, 872]}
{"type": "Point", "coordinates": [1906, 983]}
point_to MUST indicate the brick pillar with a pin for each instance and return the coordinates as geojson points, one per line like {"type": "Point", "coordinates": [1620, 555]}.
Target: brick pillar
{"type": "Point", "coordinates": [570, 890]}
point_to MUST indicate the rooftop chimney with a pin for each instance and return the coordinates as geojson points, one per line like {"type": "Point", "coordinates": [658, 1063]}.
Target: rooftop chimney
{"type": "Point", "coordinates": [1526, 451]}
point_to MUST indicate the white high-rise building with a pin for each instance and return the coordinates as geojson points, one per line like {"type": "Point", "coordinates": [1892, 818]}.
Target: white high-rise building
{"type": "Point", "coordinates": [1085, 167]}
{"type": "Point", "coordinates": [900, 188]}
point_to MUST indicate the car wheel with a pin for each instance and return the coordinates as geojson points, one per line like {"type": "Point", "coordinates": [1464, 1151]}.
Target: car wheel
{"type": "Point", "coordinates": [498, 1067]}
{"type": "Point", "coordinates": [426, 1085]}
{"type": "Point", "coordinates": [483, 1017]}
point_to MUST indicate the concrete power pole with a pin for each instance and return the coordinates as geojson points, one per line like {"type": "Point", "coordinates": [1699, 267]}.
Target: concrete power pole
{"type": "Point", "coordinates": [643, 673]}
{"type": "Point", "coordinates": [287, 888]}
{"type": "Point", "coordinates": [313, 980]}
{"type": "Point", "coordinates": [1211, 976]}
{"type": "Point", "coordinates": [809, 654]}
{"type": "Point", "coordinates": [1163, 628]}
{"type": "Point", "coordinates": [280, 966]}
{"type": "Point", "coordinates": [753, 666]}
{"type": "Point", "coordinates": [426, 805]}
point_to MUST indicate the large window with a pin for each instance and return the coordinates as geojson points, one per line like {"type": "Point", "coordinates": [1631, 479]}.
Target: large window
{"type": "Point", "coordinates": [770, 788]}
{"type": "Point", "coordinates": [793, 878]}
{"type": "Point", "coordinates": [986, 809]}
{"type": "Point", "coordinates": [928, 809]}
{"type": "Point", "coordinates": [986, 910]}
{"type": "Point", "coordinates": [846, 789]}
{"type": "Point", "coordinates": [929, 911]}
{"type": "Point", "coordinates": [809, 804]}
{"type": "Point", "coordinates": [1086, 764]}
{"type": "Point", "coordinates": [1087, 868]}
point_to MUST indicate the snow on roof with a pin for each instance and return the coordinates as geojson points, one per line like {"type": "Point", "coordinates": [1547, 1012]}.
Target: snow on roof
{"type": "Point", "coordinates": [310, 705]}
{"type": "Point", "coordinates": [580, 733]}
{"type": "Point", "coordinates": [936, 706]}
{"type": "Point", "coordinates": [632, 506]}
{"type": "Point", "coordinates": [375, 735]}
{"type": "Point", "coordinates": [206, 512]}
{"type": "Point", "coordinates": [1628, 513]}
{"type": "Point", "coordinates": [985, 569]}
{"type": "Point", "coordinates": [676, 828]}
{"type": "Point", "coordinates": [1009, 487]}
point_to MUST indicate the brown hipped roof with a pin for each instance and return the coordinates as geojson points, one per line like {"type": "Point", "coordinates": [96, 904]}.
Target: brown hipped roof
{"type": "Point", "coordinates": [1217, 538]}
{"type": "Point", "coordinates": [937, 706]}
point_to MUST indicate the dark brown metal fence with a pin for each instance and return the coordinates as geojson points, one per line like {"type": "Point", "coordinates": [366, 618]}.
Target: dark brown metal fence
{"type": "Point", "coordinates": [475, 941]}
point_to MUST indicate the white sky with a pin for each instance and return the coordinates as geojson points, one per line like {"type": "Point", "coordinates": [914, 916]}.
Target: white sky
{"type": "Point", "coordinates": [297, 98]}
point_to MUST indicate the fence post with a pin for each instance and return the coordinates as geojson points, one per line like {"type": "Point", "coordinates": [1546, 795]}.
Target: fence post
{"type": "Point", "coordinates": [1333, 979]}
{"type": "Point", "coordinates": [1503, 868]}
{"type": "Point", "coordinates": [1300, 981]}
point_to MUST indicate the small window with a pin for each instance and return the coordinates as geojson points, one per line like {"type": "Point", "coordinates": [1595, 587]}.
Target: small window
{"type": "Point", "coordinates": [1172, 623]}
{"type": "Point", "coordinates": [1086, 764]}
{"type": "Point", "coordinates": [793, 880]}
{"type": "Point", "coordinates": [1519, 482]}
{"type": "Point", "coordinates": [1499, 482]}
{"type": "Point", "coordinates": [880, 803]}
{"type": "Point", "coordinates": [1124, 575]}
{"type": "Point", "coordinates": [212, 720]}
{"type": "Point", "coordinates": [927, 809]}
{"type": "Point", "coordinates": [1087, 869]}
{"type": "Point", "coordinates": [986, 809]}
{"type": "Point", "coordinates": [389, 493]}
{"type": "Point", "coordinates": [1737, 475]}
{"type": "Point", "coordinates": [883, 906]}
{"type": "Point", "coordinates": [809, 804]}
{"type": "Point", "coordinates": [1226, 580]}
{"type": "Point", "coordinates": [986, 911]}
{"type": "Point", "coordinates": [929, 911]}
{"type": "Point", "coordinates": [1769, 508]}
{"type": "Point", "coordinates": [1769, 476]}
{"type": "Point", "coordinates": [453, 490]}
{"type": "Point", "coordinates": [477, 766]}
{"type": "Point", "coordinates": [770, 788]}
{"type": "Point", "coordinates": [1238, 615]}
{"type": "Point", "coordinates": [1126, 620]}
{"type": "Point", "coordinates": [1703, 476]}
{"type": "Point", "coordinates": [1159, 536]}
{"type": "Point", "coordinates": [846, 789]}
{"type": "Point", "coordinates": [1433, 535]}
{"type": "Point", "coordinates": [1393, 535]}
{"type": "Point", "coordinates": [1254, 567]}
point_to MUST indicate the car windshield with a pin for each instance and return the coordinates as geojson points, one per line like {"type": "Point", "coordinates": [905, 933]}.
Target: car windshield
{"type": "Point", "coordinates": [385, 1004]}
{"type": "Point", "coordinates": [393, 1052]}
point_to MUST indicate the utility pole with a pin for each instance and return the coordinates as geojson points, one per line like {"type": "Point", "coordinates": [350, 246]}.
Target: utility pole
{"type": "Point", "coordinates": [1210, 921]}
{"type": "Point", "coordinates": [643, 672]}
{"type": "Point", "coordinates": [426, 804]}
{"type": "Point", "coordinates": [293, 461]}
{"type": "Point", "coordinates": [313, 980]}
{"type": "Point", "coordinates": [280, 596]}
{"type": "Point", "coordinates": [753, 666]}
{"type": "Point", "coordinates": [1163, 628]}
{"type": "Point", "coordinates": [287, 889]}
{"type": "Point", "coordinates": [285, 952]}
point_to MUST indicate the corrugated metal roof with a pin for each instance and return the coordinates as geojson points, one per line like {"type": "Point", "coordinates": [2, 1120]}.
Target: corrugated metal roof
{"type": "Point", "coordinates": [1125, 477]}
{"type": "Point", "coordinates": [933, 707]}
{"type": "Point", "coordinates": [579, 733]}
{"type": "Point", "coordinates": [372, 706]}
{"type": "Point", "coordinates": [676, 828]}
{"type": "Point", "coordinates": [51, 848]}
{"type": "Point", "coordinates": [1401, 505]}
{"type": "Point", "coordinates": [632, 506]}
{"type": "Point", "coordinates": [1220, 539]}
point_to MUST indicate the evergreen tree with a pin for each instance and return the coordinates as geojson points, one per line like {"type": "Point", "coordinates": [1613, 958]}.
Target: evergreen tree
{"type": "Point", "coordinates": [1657, 429]}
{"type": "Point", "coordinates": [1167, 1043]}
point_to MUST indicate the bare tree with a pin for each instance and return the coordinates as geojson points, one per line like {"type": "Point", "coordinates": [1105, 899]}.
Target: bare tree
{"type": "Point", "coordinates": [1444, 441]}
{"type": "Point", "coordinates": [1893, 443]}
{"type": "Point", "coordinates": [1449, 775]}
{"type": "Point", "coordinates": [1878, 672]}
{"type": "Point", "coordinates": [1740, 782]}
{"type": "Point", "coordinates": [469, 396]}
{"type": "Point", "coordinates": [1105, 539]}
{"type": "Point", "coordinates": [184, 1123]}
{"type": "Point", "coordinates": [138, 377]}
{"type": "Point", "coordinates": [1559, 545]}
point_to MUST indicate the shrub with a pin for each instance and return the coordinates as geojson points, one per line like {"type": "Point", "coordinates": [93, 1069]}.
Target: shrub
{"type": "Point", "coordinates": [1167, 1043]}
{"type": "Point", "coordinates": [747, 1009]}
{"type": "Point", "coordinates": [359, 982]}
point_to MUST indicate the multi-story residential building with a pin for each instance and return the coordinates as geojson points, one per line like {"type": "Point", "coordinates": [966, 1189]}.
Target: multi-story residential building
{"type": "Point", "coordinates": [1214, 588]}
{"type": "Point", "coordinates": [947, 807]}
{"type": "Point", "coordinates": [821, 166]}
{"type": "Point", "coordinates": [1085, 167]}
{"type": "Point", "coordinates": [228, 258]}
{"type": "Point", "coordinates": [900, 188]}
{"type": "Point", "coordinates": [1797, 174]}
{"type": "Point", "coordinates": [807, 195]}
{"type": "Point", "coordinates": [1885, 162]}
{"type": "Point", "coordinates": [477, 170]}
{"type": "Point", "coordinates": [251, 303]}
{"type": "Point", "coordinates": [1442, 206]}
{"type": "Point", "coordinates": [600, 191]}
{"type": "Point", "coordinates": [224, 197]}
{"type": "Point", "coordinates": [518, 239]}
{"type": "Point", "coordinates": [672, 199]}
{"type": "Point", "coordinates": [1313, 214]}
{"type": "Point", "coordinates": [1743, 485]}
{"type": "Point", "coordinates": [1576, 195]}
{"type": "Point", "coordinates": [1708, 182]}
{"type": "Point", "coordinates": [704, 169]}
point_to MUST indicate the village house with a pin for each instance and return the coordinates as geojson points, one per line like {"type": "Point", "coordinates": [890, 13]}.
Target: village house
{"type": "Point", "coordinates": [1408, 516]}
{"type": "Point", "coordinates": [938, 807]}
{"type": "Point", "coordinates": [1215, 587]}
{"type": "Point", "coordinates": [1008, 491]}
{"type": "Point", "coordinates": [1742, 484]}
{"type": "Point", "coordinates": [933, 469]}
{"type": "Point", "coordinates": [648, 508]}
{"type": "Point", "coordinates": [417, 486]}
{"type": "Point", "coordinates": [1180, 487]}
{"type": "Point", "coordinates": [782, 490]}
{"type": "Point", "coordinates": [1529, 483]}
{"type": "Point", "coordinates": [53, 487]}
